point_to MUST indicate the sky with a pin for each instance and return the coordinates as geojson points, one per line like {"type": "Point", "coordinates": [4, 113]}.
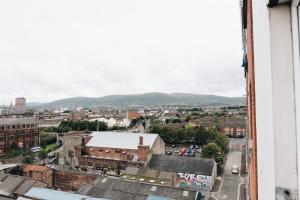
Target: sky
{"type": "Point", "coordinates": [64, 48]}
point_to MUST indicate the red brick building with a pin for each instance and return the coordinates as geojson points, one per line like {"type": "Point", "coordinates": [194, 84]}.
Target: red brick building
{"type": "Point", "coordinates": [107, 149]}
{"type": "Point", "coordinates": [18, 133]}
{"type": "Point", "coordinates": [43, 174]}
{"type": "Point", "coordinates": [250, 91]}
{"type": "Point", "coordinates": [133, 115]}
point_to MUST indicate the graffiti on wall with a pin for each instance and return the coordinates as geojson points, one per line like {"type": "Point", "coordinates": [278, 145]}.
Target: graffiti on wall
{"type": "Point", "coordinates": [193, 181]}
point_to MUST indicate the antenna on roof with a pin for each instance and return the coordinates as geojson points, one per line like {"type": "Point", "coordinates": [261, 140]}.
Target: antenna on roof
{"type": "Point", "coordinates": [9, 110]}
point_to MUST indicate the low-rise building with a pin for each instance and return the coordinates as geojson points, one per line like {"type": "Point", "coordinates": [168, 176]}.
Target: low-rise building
{"type": "Point", "coordinates": [16, 186]}
{"type": "Point", "coordinates": [180, 172]}
{"type": "Point", "coordinates": [235, 128]}
{"type": "Point", "coordinates": [120, 189]}
{"type": "Point", "coordinates": [48, 194]}
{"type": "Point", "coordinates": [109, 149]}
{"type": "Point", "coordinates": [131, 115]}
{"type": "Point", "coordinates": [42, 173]}
{"type": "Point", "coordinates": [70, 141]}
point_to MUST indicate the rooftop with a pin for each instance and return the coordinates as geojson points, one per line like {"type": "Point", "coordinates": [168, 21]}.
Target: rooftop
{"type": "Point", "coordinates": [119, 189]}
{"type": "Point", "coordinates": [12, 121]}
{"type": "Point", "coordinates": [47, 194]}
{"type": "Point", "coordinates": [10, 184]}
{"type": "Point", "coordinates": [121, 140]}
{"type": "Point", "coordinates": [181, 164]}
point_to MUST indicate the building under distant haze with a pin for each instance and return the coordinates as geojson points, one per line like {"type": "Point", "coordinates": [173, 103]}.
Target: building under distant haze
{"type": "Point", "coordinates": [20, 105]}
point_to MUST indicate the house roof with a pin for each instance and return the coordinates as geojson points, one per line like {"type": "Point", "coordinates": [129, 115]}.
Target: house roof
{"type": "Point", "coordinates": [47, 194]}
{"type": "Point", "coordinates": [10, 184]}
{"type": "Point", "coordinates": [36, 168]}
{"type": "Point", "coordinates": [133, 115]}
{"type": "Point", "coordinates": [121, 140]}
{"type": "Point", "coordinates": [181, 164]}
{"type": "Point", "coordinates": [119, 189]}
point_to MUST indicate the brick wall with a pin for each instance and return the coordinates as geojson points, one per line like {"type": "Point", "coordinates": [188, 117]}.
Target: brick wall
{"type": "Point", "coordinates": [252, 161]}
{"type": "Point", "coordinates": [71, 181]}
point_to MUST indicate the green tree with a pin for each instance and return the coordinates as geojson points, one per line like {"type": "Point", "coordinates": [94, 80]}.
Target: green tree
{"type": "Point", "coordinates": [28, 159]}
{"type": "Point", "coordinates": [212, 150]}
{"type": "Point", "coordinates": [222, 141]}
{"type": "Point", "coordinates": [43, 154]}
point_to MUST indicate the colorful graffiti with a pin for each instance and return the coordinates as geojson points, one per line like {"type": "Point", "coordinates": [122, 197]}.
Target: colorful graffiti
{"type": "Point", "coordinates": [194, 182]}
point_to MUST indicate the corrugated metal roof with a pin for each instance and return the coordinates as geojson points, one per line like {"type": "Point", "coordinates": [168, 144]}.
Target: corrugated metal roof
{"type": "Point", "coordinates": [123, 140]}
{"type": "Point", "coordinates": [152, 197]}
{"type": "Point", "coordinates": [47, 194]}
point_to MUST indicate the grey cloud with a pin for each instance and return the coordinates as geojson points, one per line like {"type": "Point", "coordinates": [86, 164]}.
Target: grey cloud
{"type": "Point", "coordinates": [58, 49]}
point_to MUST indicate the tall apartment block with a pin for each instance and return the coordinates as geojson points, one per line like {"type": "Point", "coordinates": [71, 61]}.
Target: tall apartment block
{"type": "Point", "coordinates": [271, 41]}
{"type": "Point", "coordinates": [18, 133]}
{"type": "Point", "coordinates": [20, 105]}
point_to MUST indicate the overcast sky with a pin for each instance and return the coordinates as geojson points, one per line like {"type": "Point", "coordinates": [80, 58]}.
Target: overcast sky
{"type": "Point", "coordinates": [57, 49]}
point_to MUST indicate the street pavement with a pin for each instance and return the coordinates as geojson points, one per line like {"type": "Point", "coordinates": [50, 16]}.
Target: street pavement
{"type": "Point", "coordinates": [230, 184]}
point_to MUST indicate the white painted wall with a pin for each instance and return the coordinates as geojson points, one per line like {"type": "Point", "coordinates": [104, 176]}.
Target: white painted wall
{"type": "Point", "coordinates": [264, 101]}
{"type": "Point", "coordinates": [296, 49]}
{"type": "Point", "coordinates": [275, 99]}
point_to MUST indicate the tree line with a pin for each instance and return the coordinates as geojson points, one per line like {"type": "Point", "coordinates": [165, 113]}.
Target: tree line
{"type": "Point", "coordinates": [215, 144]}
{"type": "Point", "coordinates": [73, 125]}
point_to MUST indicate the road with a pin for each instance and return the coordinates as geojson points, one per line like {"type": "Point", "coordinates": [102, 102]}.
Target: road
{"type": "Point", "coordinates": [230, 184]}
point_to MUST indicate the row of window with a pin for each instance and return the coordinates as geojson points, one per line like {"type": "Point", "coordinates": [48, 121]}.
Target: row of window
{"type": "Point", "coordinates": [5, 127]}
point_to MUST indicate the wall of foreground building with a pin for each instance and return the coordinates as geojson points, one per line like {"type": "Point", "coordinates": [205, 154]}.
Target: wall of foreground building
{"type": "Point", "coordinates": [276, 61]}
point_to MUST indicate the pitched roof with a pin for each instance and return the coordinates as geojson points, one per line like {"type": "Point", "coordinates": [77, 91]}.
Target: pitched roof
{"type": "Point", "coordinates": [43, 193]}
{"type": "Point", "coordinates": [121, 140]}
{"type": "Point", "coordinates": [119, 189]}
{"type": "Point", "coordinates": [10, 184]}
{"type": "Point", "coordinates": [181, 164]}
{"type": "Point", "coordinates": [133, 115]}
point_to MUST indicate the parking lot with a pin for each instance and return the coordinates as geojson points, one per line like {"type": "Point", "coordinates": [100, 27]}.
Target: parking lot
{"type": "Point", "coordinates": [184, 150]}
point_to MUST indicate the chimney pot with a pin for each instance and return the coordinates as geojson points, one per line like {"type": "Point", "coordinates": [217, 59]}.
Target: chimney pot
{"type": "Point", "coordinates": [141, 140]}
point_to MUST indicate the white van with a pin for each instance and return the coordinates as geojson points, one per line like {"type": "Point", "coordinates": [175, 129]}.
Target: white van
{"type": "Point", "coordinates": [235, 169]}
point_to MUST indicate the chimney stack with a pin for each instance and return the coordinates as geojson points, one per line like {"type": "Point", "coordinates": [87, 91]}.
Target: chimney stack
{"type": "Point", "coordinates": [141, 140]}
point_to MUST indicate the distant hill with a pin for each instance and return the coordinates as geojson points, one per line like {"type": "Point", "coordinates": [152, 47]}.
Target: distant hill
{"type": "Point", "coordinates": [147, 99]}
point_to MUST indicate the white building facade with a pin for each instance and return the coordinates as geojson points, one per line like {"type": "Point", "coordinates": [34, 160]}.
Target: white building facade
{"type": "Point", "coordinates": [277, 88]}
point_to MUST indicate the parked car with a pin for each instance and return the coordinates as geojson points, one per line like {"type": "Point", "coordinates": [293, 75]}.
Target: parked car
{"type": "Point", "coordinates": [192, 154]}
{"type": "Point", "coordinates": [177, 151]}
{"type": "Point", "coordinates": [235, 169]}
{"type": "Point", "coordinates": [168, 152]}
{"type": "Point", "coordinates": [199, 150]}
{"type": "Point", "coordinates": [173, 145]}
{"type": "Point", "coordinates": [182, 152]}
{"type": "Point", "coordinates": [192, 146]}
{"type": "Point", "coordinates": [196, 147]}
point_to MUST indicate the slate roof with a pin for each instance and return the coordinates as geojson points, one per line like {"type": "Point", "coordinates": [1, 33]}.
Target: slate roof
{"type": "Point", "coordinates": [10, 185]}
{"type": "Point", "coordinates": [120, 189]}
{"type": "Point", "coordinates": [181, 164]}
